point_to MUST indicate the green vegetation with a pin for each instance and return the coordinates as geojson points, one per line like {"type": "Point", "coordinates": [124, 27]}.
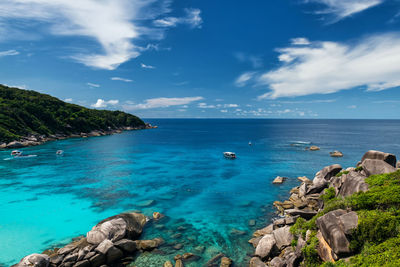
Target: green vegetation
{"type": "Point", "coordinates": [310, 253]}
{"type": "Point", "coordinates": [341, 173]}
{"type": "Point", "coordinates": [376, 240]}
{"type": "Point", "coordinates": [24, 112]}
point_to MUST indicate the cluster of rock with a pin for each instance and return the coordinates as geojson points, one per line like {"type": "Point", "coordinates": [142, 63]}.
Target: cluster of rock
{"type": "Point", "coordinates": [111, 241]}
{"type": "Point", "coordinates": [273, 244]}
{"type": "Point", "coordinates": [34, 140]}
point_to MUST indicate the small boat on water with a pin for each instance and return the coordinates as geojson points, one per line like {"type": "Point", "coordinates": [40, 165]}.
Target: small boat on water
{"type": "Point", "coordinates": [229, 155]}
{"type": "Point", "coordinates": [15, 153]}
{"type": "Point", "coordinates": [250, 143]}
{"type": "Point", "coordinates": [60, 152]}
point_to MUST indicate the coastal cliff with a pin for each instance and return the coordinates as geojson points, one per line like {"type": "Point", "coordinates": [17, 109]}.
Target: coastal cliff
{"type": "Point", "coordinates": [30, 118]}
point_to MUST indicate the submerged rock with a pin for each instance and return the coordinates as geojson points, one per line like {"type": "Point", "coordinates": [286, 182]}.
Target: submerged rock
{"type": "Point", "coordinates": [225, 262]}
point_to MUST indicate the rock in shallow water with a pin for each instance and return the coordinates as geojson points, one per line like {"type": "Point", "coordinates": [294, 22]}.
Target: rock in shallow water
{"type": "Point", "coordinates": [34, 260]}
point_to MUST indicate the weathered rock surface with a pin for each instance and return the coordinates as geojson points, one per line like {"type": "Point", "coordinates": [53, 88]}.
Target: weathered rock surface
{"type": "Point", "coordinates": [264, 231]}
{"type": "Point", "coordinates": [283, 237]}
{"type": "Point", "coordinates": [277, 262]}
{"type": "Point", "coordinates": [324, 250]}
{"type": "Point", "coordinates": [351, 183]}
{"type": "Point", "coordinates": [326, 173]}
{"type": "Point", "coordinates": [334, 225]}
{"type": "Point", "coordinates": [306, 214]}
{"type": "Point", "coordinates": [34, 260]}
{"type": "Point", "coordinates": [117, 227]}
{"type": "Point", "coordinates": [387, 157]}
{"type": "Point", "coordinates": [279, 180]}
{"type": "Point", "coordinates": [376, 166]}
{"type": "Point", "coordinates": [256, 262]}
{"type": "Point", "coordinates": [266, 246]}
{"type": "Point", "coordinates": [336, 154]}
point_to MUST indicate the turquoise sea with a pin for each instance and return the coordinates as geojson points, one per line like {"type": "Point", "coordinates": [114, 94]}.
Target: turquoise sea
{"type": "Point", "coordinates": [178, 170]}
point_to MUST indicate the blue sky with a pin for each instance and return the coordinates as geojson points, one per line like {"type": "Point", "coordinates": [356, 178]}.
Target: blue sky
{"type": "Point", "coordinates": [208, 59]}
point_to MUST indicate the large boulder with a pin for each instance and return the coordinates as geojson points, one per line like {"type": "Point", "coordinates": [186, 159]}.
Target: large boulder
{"type": "Point", "coordinates": [326, 173]}
{"type": "Point", "coordinates": [125, 225]}
{"type": "Point", "coordinates": [334, 226]}
{"type": "Point", "coordinates": [266, 246]}
{"type": "Point", "coordinates": [351, 183]}
{"type": "Point", "coordinates": [34, 260]}
{"type": "Point", "coordinates": [376, 166]}
{"type": "Point", "coordinates": [256, 262]}
{"type": "Point", "coordinates": [324, 250]}
{"type": "Point", "coordinates": [387, 157]}
{"type": "Point", "coordinates": [283, 237]}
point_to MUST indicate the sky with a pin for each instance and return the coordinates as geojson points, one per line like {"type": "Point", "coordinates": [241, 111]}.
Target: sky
{"type": "Point", "coordinates": [208, 59]}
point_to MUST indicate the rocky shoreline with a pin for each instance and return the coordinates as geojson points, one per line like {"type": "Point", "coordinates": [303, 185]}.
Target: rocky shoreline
{"type": "Point", "coordinates": [116, 241]}
{"type": "Point", "coordinates": [35, 140]}
{"type": "Point", "coordinates": [279, 245]}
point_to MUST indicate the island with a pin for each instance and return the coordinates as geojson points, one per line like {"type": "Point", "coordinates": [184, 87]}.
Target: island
{"type": "Point", "coordinates": [29, 118]}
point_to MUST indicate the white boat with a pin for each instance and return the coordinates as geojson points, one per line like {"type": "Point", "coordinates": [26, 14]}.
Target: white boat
{"type": "Point", "coordinates": [60, 152]}
{"type": "Point", "coordinates": [230, 155]}
{"type": "Point", "coordinates": [16, 153]}
{"type": "Point", "coordinates": [250, 143]}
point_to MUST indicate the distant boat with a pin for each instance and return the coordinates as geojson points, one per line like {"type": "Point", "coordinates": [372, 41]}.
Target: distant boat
{"type": "Point", "coordinates": [60, 152]}
{"type": "Point", "coordinates": [250, 143]}
{"type": "Point", "coordinates": [16, 153]}
{"type": "Point", "coordinates": [230, 155]}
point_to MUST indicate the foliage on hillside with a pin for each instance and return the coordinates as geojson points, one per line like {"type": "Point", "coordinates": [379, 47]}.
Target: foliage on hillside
{"type": "Point", "coordinates": [376, 240]}
{"type": "Point", "coordinates": [24, 112]}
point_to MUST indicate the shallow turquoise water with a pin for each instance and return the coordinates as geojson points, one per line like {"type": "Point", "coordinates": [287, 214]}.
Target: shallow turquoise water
{"type": "Point", "coordinates": [48, 200]}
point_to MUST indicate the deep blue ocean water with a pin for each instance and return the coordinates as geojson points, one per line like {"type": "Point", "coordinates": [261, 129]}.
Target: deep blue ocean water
{"type": "Point", "coordinates": [47, 200]}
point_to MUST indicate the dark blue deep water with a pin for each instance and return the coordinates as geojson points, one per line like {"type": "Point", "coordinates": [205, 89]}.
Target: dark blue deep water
{"type": "Point", "coordinates": [177, 169]}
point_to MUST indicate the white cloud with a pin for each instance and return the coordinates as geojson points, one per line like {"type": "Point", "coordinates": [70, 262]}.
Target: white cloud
{"type": "Point", "coordinates": [121, 79]}
{"type": "Point", "coordinates": [9, 53]}
{"type": "Point", "coordinates": [352, 107]}
{"type": "Point", "coordinates": [244, 78]}
{"type": "Point", "coordinates": [204, 105]}
{"type": "Point", "coordinates": [94, 85]}
{"type": "Point", "coordinates": [68, 100]}
{"type": "Point", "coordinates": [329, 67]}
{"type": "Point", "coordinates": [192, 18]}
{"type": "Point", "coordinates": [163, 102]}
{"type": "Point", "coordinates": [341, 9]}
{"type": "Point", "coordinates": [113, 24]}
{"type": "Point", "coordinates": [224, 110]}
{"type": "Point", "coordinates": [144, 66]}
{"type": "Point", "coordinates": [300, 41]}
{"type": "Point", "coordinates": [231, 105]}
{"type": "Point", "coordinates": [103, 104]}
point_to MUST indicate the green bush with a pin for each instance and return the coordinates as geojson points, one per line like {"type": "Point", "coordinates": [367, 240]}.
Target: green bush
{"type": "Point", "coordinates": [310, 252]}
{"type": "Point", "coordinates": [328, 194]}
{"type": "Point", "coordinates": [386, 253]}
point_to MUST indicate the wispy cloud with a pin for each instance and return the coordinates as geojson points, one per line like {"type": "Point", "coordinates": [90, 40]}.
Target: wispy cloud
{"type": "Point", "coordinates": [163, 102]}
{"type": "Point", "coordinates": [244, 78]}
{"type": "Point", "coordinates": [9, 53]}
{"type": "Point", "coordinates": [300, 41]}
{"type": "Point", "coordinates": [121, 79]}
{"type": "Point", "coordinates": [69, 100]}
{"type": "Point", "coordinates": [204, 105]}
{"type": "Point", "coordinates": [352, 107]}
{"type": "Point", "coordinates": [144, 66]}
{"type": "Point", "coordinates": [103, 104]}
{"type": "Point", "coordinates": [341, 9]}
{"type": "Point", "coordinates": [192, 18]}
{"type": "Point", "coordinates": [329, 67]}
{"type": "Point", "coordinates": [113, 24]}
{"type": "Point", "coordinates": [93, 85]}
{"type": "Point", "coordinates": [255, 61]}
